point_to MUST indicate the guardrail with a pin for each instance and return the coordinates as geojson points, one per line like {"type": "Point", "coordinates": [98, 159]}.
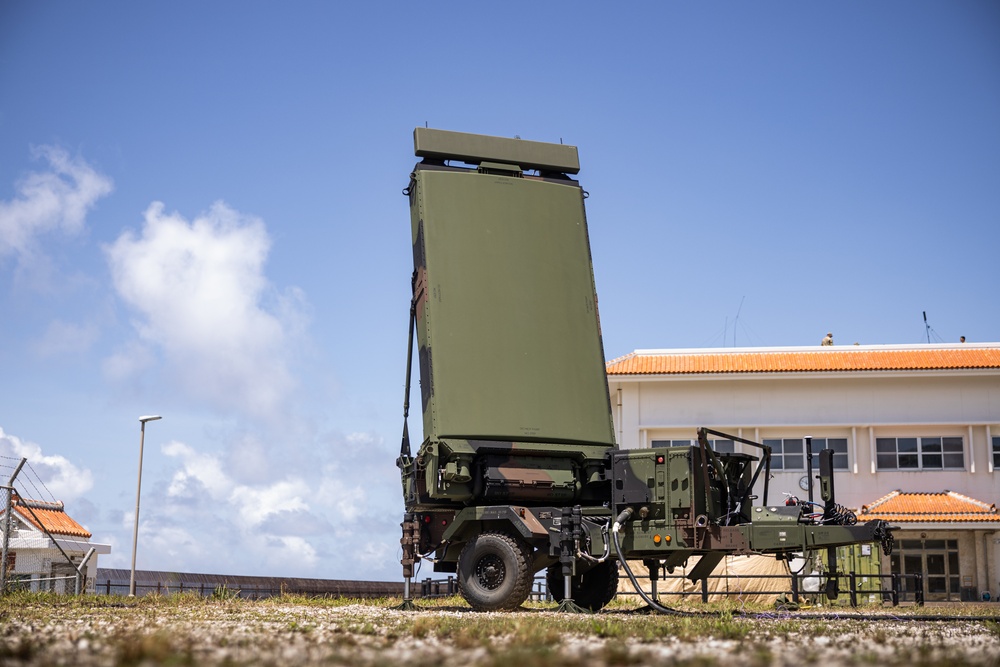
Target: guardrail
{"type": "Point", "coordinates": [893, 588]}
{"type": "Point", "coordinates": [116, 582]}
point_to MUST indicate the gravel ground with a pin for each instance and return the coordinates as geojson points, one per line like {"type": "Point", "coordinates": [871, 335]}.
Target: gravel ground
{"type": "Point", "coordinates": [170, 631]}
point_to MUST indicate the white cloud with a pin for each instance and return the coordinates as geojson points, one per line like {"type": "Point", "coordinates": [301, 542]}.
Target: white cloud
{"type": "Point", "coordinates": [57, 475]}
{"type": "Point", "coordinates": [288, 525]}
{"type": "Point", "coordinates": [255, 504]}
{"type": "Point", "coordinates": [56, 200]}
{"type": "Point", "coordinates": [205, 468]}
{"type": "Point", "coordinates": [349, 500]}
{"type": "Point", "coordinates": [289, 549]}
{"type": "Point", "coordinates": [199, 289]}
{"type": "Point", "coordinates": [248, 506]}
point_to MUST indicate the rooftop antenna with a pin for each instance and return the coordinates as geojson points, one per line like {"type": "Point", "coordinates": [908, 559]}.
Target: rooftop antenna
{"type": "Point", "coordinates": [930, 331]}
{"type": "Point", "coordinates": [737, 320]}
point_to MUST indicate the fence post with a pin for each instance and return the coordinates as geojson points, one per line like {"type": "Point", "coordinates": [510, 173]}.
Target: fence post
{"type": "Point", "coordinates": [852, 579]}
{"type": "Point", "coordinates": [704, 588]}
{"type": "Point", "coordinates": [795, 588]}
{"type": "Point", "coordinates": [919, 588]}
{"type": "Point", "coordinates": [6, 526]}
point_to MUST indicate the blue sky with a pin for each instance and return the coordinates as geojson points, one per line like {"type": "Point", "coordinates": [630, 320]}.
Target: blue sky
{"type": "Point", "coordinates": [200, 217]}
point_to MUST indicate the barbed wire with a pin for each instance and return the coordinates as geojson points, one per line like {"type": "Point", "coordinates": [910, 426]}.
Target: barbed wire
{"type": "Point", "coordinates": [49, 496]}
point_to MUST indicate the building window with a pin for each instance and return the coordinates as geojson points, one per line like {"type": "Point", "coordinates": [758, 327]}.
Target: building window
{"type": "Point", "coordinates": [723, 446]}
{"type": "Point", "coordinates": [996, 452]}
{"type": "Point", "coordinates": [839, 447]}
{"type": "Point", "coordinates": [936, 560]}
{"type": "Point", "coordinates": [720, 446]}
{"type": "Point", "coordinates": [787, 453]}
{"type": "Point", "coordinates": [936, 453]}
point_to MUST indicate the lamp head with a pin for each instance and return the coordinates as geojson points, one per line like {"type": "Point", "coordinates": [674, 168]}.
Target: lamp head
{"type": "Point", "coordinates": [149, 418]}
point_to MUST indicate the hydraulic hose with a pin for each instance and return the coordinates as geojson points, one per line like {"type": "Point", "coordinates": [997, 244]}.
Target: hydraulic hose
{"type": "Point", "coordinates": [622, 518]}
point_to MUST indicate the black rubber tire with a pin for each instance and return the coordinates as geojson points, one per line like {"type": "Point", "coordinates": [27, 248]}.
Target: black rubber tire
{"type": "Point", "coordinates": [493, 572]}
{"type": "Point", "coordinates": [592, 590]}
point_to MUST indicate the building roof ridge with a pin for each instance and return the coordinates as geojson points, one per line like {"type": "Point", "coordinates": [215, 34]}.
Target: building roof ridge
{"type": "Point", "coordinates": [818, 349]}
{"type": "Point", "coordinates": [879, 501]}
{"type": "Point", "coordinates": [815, 359]}
{"type": "Point", "coordinates": [972, 501]}
{"type": "Point", "coordinates": [55, 506]}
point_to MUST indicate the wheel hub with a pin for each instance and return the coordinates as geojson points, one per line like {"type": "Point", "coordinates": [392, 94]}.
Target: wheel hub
{"type": "Point", "coordinates": [490, 572]}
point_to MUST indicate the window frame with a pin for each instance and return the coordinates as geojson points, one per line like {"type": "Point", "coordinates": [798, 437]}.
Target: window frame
{"type": "Point", "coordinates": [681, 442]}
{"type": "Point", "coordinates": [837, 454]}
{"type": "Point", "coordinates": [922, 453]}
{"type": "Point", "coordinates": [780, 453]}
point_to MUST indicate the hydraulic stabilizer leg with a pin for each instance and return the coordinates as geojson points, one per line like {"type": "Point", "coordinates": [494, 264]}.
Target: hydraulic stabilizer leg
{"type": "Point", "coordinates": [653, 566]}
{"type": "Point", "coordinates": [411, 533]}
{"type": "Point", "coordinates": [570, 533]}
{"type": "Point", "coordinates": [832, 580]}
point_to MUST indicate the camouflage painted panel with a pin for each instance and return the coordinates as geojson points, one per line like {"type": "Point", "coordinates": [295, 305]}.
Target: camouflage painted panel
{"type": "Point", "coordinates": [508, 327]}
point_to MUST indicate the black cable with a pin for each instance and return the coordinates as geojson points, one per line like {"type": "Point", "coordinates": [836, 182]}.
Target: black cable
{"type": "Point", "coordinates": [627, 513]}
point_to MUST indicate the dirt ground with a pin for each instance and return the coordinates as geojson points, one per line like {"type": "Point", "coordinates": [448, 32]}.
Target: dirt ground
{"type": "Point", "coordinates": [182, 630]}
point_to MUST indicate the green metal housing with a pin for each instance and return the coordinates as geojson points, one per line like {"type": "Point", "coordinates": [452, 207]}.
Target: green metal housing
{"type": "Point", "coordinates": [513, 387]}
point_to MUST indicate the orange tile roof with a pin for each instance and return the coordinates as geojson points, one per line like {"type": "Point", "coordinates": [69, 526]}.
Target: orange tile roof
{"type": "Point", "coordinates": [944, 507]}
{"type": "Point", "coordinates": [48, 516]}
{"type": "Point", "coordinates": [807, 359]}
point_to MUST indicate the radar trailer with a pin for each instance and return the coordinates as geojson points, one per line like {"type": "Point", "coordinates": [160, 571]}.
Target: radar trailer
{"type": "Point", "coordinates": [518, 470]}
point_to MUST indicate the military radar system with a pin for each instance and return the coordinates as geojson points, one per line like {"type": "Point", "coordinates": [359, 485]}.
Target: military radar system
{"type": "Point", "coordinates": [518, 470]}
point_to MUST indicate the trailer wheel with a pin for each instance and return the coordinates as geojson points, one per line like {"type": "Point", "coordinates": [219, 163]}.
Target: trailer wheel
{"type": "Point", "coordinates": [592, 590]}
{"type": "Point", "coordinates": [493, 572]}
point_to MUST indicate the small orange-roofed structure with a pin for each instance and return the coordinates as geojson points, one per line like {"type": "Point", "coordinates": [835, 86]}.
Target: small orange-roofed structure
{"type": "Point", "coordinates": [42, 537]}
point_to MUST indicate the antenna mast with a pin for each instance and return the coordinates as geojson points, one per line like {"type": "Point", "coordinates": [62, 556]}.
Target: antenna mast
{"type": "Point", "coordinates": [927, 328]}
{"type": "Point", "coordinates": [737, 321]}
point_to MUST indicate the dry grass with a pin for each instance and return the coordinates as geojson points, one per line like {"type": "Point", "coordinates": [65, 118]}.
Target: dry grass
{"type": "Point", "coordinates": [41, 630]}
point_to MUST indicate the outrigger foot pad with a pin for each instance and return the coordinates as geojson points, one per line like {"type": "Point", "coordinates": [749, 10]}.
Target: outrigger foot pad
{"type": "Point", "coordinates": [567, 606]}
{"type": "Point", "coordinates": [407, 606]}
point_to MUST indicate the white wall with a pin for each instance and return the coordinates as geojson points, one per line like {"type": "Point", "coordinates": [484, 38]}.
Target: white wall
{"type": "Point", "coordinates": [857, 407]}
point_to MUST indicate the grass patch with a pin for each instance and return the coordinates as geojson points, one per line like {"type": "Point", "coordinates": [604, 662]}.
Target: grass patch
{"type": "Point", "coordinates": [44, 629]}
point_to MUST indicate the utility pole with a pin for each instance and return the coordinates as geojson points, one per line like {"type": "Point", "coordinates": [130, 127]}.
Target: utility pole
{"type": "Point", "coordinates": [138, 492]}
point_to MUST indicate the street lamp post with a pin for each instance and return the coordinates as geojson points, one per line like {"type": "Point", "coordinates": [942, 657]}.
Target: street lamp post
{"type": "Point", "coordinates": [138, 491]}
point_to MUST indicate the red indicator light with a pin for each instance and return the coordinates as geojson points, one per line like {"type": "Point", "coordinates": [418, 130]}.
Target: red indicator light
{"type": "Point", "coordinates": [444, 522]}
{"type": "Point", "coordinates": [427, 519]}
{"type": "Point", "coordinates": [659, 459]}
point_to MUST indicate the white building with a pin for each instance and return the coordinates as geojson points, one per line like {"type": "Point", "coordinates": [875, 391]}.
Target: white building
{"type": "Point", "coordinates": [915, 429]}
{"type": "Point", "coordinates": [46, 546]}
